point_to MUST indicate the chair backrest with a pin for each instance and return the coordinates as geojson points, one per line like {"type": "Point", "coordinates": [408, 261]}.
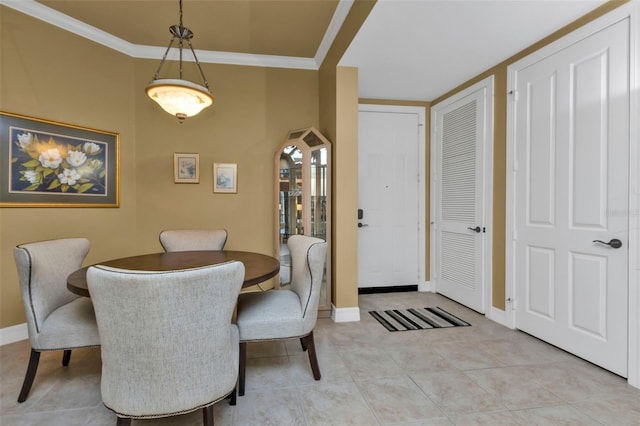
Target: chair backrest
{"type": "Point", "coordinates": [193, 239]}
{"type": "Point", "coordinates": [43, 268]}
{"type": "Point", "coordinates": [166, 337]}
{"type": "Point", "coordinates": [308, 256]}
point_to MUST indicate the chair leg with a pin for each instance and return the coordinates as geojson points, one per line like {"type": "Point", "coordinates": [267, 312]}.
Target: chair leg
{"type": "Point", "coordinates": [243, 367]}
{"type": "Point", "coordinates": [313, 360]}
{"type": "Point", "coordinates": [34, 358]}
{"type": "Point", "coordinates": [304, 346]}
{"type": "Point", "coordinates": [207, 416]}
{"type": "Point", "coordinates": [123, 421]}
{"type": "Point", "coordinates": [232, 397]}
{"type": "Point", "coordinates": [66, 357]}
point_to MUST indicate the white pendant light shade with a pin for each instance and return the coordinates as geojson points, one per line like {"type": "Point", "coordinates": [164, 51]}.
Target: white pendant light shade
{"type": "Point", "coordinates": [180, 98]}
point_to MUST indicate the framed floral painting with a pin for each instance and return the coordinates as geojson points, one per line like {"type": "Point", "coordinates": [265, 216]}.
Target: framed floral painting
{"type": "Point", "coordinates": [51, 164]}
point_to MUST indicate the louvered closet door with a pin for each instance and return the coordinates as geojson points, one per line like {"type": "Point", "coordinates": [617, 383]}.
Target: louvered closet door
{"type": "Point", "coordinates": [459, 180]}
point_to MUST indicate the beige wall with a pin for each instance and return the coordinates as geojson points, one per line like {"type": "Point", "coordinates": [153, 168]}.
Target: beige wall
{"type": "Point", "coordinates": [49, 73]}
{"type": "Point", "coordinates": [338, 121]}
{"type": "Point", "coordinates": [345, 192]}
{"type": "Point", "coordinates": [254, 110]}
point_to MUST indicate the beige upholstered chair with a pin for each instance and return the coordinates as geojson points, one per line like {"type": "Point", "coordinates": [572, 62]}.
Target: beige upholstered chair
{"type": "Point", "coordinates": [283, 314]}
{"type": "Point", "coordinates": [168, 344]}
{"type": "Point", "coordinates": [56, 318]}
{"type": "Point", "coordinates": [193, 239]}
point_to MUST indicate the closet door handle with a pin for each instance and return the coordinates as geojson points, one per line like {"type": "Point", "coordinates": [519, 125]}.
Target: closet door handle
{"type": "Point", "coordinates": [614, 243]}
{"type": "Point", "coordinates": [476, 229]}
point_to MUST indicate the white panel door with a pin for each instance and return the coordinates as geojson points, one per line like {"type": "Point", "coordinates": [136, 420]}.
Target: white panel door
{"type": "Point", "coordinates": [571, 189]}
{"type": "Point", "coordinates": [388, 198]}
{"type": "Point", "coordinates": [461, 185]}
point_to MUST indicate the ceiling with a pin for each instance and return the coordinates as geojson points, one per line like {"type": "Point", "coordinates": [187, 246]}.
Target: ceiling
{"type": "Point", "coordinates": [406, 49]}
{"type": "Point", "coordinates": [281, 28]}
{"type": "Point", "coordinates": [421, 49]}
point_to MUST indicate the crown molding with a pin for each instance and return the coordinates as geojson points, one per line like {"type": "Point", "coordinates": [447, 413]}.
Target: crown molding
{"type": "Point", "coordinates": [342, 10]}
{"type": "Point", "coordinates": [67, 23]}
{"type": "Point", "coordinates": [75, 26]}
{"type": "Point", "coordinates": [227, 58]}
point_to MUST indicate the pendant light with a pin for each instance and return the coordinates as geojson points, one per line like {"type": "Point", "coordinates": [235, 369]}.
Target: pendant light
{"type": "Point", "coordinates": [178, 97]}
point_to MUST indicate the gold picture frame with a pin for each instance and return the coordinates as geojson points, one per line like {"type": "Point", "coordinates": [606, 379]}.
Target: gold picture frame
{"type": "Point", "coordinates": [50, 164]}
{"type": "Point", "coordinates": [186, 167]}
{"type": "Point", "coordinates": [225, 178]}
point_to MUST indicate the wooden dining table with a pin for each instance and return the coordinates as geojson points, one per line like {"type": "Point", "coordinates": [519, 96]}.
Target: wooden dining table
{"type": "Point", "coordinates": [258, 267]}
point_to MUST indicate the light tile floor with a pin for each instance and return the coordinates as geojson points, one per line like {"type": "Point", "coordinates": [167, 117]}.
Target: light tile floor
{"type": "Point", "coordinates": [480, 375]}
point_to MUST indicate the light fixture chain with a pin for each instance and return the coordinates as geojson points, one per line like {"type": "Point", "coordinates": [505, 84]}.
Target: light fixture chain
{"type": "Point", "coordinates": [180, 58]}
{"type": "Point", "coordinates": [181, 39]}
{"type": "Point", "coordinates": [179, 97]}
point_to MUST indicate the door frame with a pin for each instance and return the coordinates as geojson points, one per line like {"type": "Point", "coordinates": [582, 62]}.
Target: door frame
{"type": "Point", "coordinates": [629, 11]}
{"type": "Point", "coordinates": [488, 85]}
{"type": "Point", "coordinates": [423, 285]}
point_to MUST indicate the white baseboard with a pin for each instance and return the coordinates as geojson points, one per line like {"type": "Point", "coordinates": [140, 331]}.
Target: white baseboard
{"type": "Point", "coordinates": [425, 286]}
{"type": "Point", "coordinates": [345, 314]}
{"type": "Point", "coordinates": [13, 334]}
{"type": "Point", "coordinates": [498, 316]}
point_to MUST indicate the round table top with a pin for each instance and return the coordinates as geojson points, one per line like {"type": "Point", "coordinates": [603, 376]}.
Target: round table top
{"type": "Point", "coordinates": [258, 267]}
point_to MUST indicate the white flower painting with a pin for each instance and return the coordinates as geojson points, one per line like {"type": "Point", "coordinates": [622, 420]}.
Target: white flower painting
{"type": "Point", "coordinates": [47, 163]}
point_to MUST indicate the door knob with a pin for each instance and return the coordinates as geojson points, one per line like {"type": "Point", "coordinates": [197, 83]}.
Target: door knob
{"type": "Point", "coordinates": [476, 229]}
{"type": "Point", "coordinates": [360, 224]}
{"type": "Point", "coordinates": [614, 243]}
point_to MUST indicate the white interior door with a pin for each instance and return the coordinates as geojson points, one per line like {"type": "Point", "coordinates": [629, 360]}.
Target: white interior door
{"type": "Point", "coordinates": [462, 183]}
{"type": "Point", "coordinates": [388, 195]}
{"type": "Point", "coordinates": [571, 189]}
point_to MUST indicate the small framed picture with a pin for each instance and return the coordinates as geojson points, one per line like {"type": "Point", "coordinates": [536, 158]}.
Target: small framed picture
{"type": "Point", "coordinates": [186, 167]}
{"type": "Point", "coordinates": [225, 177]}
